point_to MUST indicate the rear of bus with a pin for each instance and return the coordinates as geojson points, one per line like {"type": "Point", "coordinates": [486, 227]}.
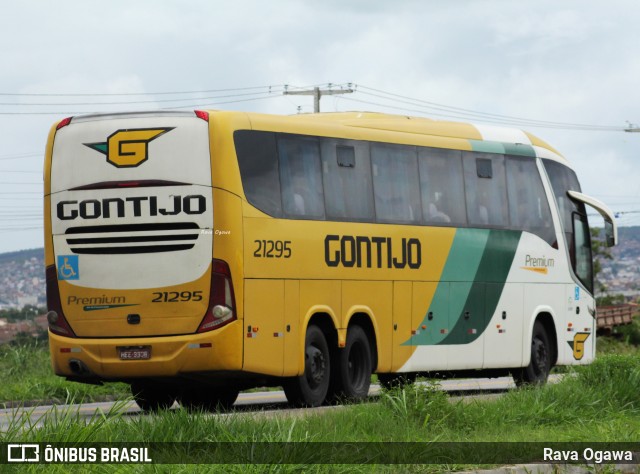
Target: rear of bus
{"type": "Point", "coordinates": [133, 290]}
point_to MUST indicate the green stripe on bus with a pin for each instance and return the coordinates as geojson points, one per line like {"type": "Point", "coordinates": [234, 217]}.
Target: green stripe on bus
{"type": "Point", "coordinates": [487, 147]}
{"type": "Point", "coordinates": [462, 265]}
{"type": "Point", "coordinates": [470, 287]}
{"type": "Point", "coordinates": [484, 294]}
{"type": "Point", "coordinates": [519, 149]}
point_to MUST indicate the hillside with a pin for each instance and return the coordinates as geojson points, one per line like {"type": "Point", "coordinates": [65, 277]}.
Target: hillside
{"type": "Point", "coordinates": [622, 273]}
{"type": "Point", "coordinates": [22, 278]}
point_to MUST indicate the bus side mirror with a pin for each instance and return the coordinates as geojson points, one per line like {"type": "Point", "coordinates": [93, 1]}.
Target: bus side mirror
{"type": "Point", "coordinates": [609, 236]}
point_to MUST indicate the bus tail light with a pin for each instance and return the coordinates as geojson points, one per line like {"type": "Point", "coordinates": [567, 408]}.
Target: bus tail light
{"type": "Point", "coordinates": [222, 308]}
{"type": "Point", "coordinates": [55, 317]}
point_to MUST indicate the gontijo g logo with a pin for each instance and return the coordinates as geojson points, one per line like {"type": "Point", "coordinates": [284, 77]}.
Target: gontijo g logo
{"type": "Point", "coordinates": [128, 148]}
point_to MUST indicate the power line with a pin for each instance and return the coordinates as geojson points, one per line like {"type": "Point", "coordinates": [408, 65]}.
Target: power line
{"type": "Point", "coordinates": [18, 156]}
{"type": "Point", "coordinates": [124, 94]}
{"type": "Point", "coordinates": [49, 104]}
{"type": "Point", "coordinates": [271, 91]}
{"type": "Point", "coordinates": [474, 113]}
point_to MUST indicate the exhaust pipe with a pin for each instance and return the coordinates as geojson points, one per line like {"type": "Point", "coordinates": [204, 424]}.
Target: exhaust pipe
{"type": "Point", "coordinates": [79, 368]}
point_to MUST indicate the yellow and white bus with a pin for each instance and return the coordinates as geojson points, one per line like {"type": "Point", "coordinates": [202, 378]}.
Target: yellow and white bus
{"type": "Point", "coordinates": [197, 254]}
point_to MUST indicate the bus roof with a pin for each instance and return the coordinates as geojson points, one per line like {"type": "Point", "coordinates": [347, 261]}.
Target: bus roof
{"type": "Point", "coordinates": [487, 138]}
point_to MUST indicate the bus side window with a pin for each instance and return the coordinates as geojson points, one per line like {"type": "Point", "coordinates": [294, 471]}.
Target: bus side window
{"type": "Point", "coordinates": [528, 205]}
{"type": "Point", "coordinates": [441, 186]}
{"type": "Point", "coordinates": [346, 170]}
{"type": "Point", "coordinates": [395, 183]}
{"type": "Point", "coordinates": [300, 177]}
{"type": "Point", "coordinates": [486, 190]}
{"type": "Point", "coordinates": [258, 161]}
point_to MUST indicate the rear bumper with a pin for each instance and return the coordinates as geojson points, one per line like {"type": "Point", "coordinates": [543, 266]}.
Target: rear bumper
{"type": "Point", "coordinates": [170, 355]}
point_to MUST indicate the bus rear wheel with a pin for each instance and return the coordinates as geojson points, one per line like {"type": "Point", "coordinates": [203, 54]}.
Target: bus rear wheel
{"type": "Point", "coordinates": [310, 389]}
{"type": "Point", "coordinates": [152, 397]}
{"type": "Point", "coordinates": [537, 372]}
{"type": "Point", "coordinates": [208, 399]}
{"type": "Point", "coordinates": [352, 374]}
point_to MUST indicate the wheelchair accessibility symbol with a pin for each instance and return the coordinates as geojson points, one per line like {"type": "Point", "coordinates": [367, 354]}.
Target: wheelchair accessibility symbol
{"type": "Point", "coordinates": [68, 267]}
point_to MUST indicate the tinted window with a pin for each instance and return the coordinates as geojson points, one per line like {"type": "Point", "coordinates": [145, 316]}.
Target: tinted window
{"type": "Point", "coordinates": [442, 186]}
{"type": "Point", "coordinates": [528, 205]}
{"type": "Point", "coordinates": [395, 183]}
{"type": "Point", "coordinates": [346, 171]}
{"type": "Point", "coordinates": [486, 190]}
{"type": "Point", "coordinates": [564, 179]}
{"type": "Point", "coordinates": [258, 161]}
{"type": "Point", "coordinates": [300, 177]}
{"type": "Point", "coordinates": [583, 260]}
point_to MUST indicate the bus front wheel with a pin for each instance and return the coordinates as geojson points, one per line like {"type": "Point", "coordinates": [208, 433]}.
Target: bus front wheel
{"type": "Point", "coordinates": [310, 389]}
{"type": "Point", "coordinates": [537, 372]}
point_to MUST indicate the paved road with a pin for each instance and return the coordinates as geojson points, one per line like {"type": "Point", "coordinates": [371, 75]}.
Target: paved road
{"type": "Point", "coordinates": [264, 402]}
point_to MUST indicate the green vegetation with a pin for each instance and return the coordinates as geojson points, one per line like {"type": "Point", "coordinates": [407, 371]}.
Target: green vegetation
{"type": "Point", "coordinates": [26, 313]}
{"type": "Point", "coordinates": [25, 371]}
{"type": "Point", "coordinates": [25, 368]}
{"type": "Point", "coordinates": [598, 402]}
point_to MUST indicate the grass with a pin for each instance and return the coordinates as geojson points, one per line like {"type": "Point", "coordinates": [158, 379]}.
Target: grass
{"type": "Point", "coordinates": [25, 371]}
{"type": "Point", "coordinates": [598, 403]}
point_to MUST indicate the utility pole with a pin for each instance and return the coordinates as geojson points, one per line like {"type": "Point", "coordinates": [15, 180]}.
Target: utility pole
{"type": "Point", "coordinates": [317, 93]}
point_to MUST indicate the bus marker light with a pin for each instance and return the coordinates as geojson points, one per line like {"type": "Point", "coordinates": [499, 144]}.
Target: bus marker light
{"type": "Point", "coordinates": [472, 331]}
{"type": "Point", "coordinates": [201, 114]}
{"type": "Point", "coordinates": [66, 350]}
{"type": "Point", "coordinates": [444, 331]}
{"type": "Point", "coordinates": [203, 345]}
{"type": "Point", "coordinates": [63, 123]}
{"type": "Point", "coordinates": [254, 329]}
{"type": "Point", "coordinates": [424, 326]}
{"type": "Point", "coordinates": [278, 334]}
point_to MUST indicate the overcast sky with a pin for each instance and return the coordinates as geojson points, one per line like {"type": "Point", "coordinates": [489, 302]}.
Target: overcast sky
{"type": "Point", "coordinates": [567, 62]}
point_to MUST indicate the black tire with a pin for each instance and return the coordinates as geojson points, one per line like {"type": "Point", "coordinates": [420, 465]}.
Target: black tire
{"type": "Point", "coordinates": [152, 397]}
{"type": "Point", "coordinates": [310, 389]}
{"type": "Point", "coordinates": [351, 375]}
{"type": "Point", "coordinates": [208, 398]}
{"type": "Point", "coordinates": [537, 372]}
{"type": "Point", "coordinates": [390, 381]}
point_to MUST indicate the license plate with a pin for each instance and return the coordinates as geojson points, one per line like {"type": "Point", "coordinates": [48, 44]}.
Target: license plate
{"type": "Point", "coordinates": [135, 353]}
